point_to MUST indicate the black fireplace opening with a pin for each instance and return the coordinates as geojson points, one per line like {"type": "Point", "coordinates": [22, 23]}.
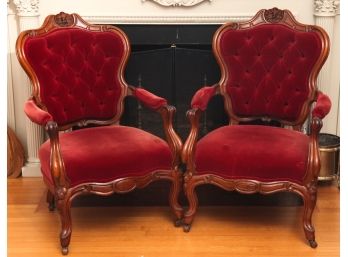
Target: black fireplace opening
{"type": "Point", "coordinates": [172, 61]}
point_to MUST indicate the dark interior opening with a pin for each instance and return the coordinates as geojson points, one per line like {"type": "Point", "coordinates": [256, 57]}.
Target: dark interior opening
{"type": "Point", "coordinates": [172, 61]}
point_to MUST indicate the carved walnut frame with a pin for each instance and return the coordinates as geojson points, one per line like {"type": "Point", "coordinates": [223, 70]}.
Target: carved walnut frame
{"type": "Point", "coordinates": [307, 190]}
{"type": "Point", "coordinates": [61, 194]}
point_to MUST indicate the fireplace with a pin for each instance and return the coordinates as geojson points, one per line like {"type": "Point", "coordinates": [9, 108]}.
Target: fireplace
{"type": "Point", "coordinates": [172, 61]}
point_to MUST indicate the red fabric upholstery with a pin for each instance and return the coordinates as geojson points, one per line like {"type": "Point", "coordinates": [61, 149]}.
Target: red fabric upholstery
{"type": "Point", "coordinates": [322, 107]}
{"type": "Point", "coordinates": [36, 114]}
{"type": "Point", "coordinates": [268, 69]}
{"type": "Point", "coordinates": [78, 72]}
{"type": "Point", "coordinates": [102, 154]}
{"type": "Point", "coordinates": [148, 99]}
{"type": "Point", "coordinates": [201, 98]}
{"type": "Point", "coordinates": [253, 152]}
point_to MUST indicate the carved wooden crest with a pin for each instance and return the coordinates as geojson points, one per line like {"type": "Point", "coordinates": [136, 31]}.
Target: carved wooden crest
{"type": "Point", "coordinates": [63, 19]}
{"type": "Point", "coordinates": [274, 15]}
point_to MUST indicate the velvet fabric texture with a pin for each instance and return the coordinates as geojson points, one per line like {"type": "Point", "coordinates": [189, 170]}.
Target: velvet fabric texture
{"type": "Point", "coordinates": [36, 114]}
{"type": "Point", "coordinates": [268, 69]}
{"type": "Point", "coordinates": [103, 154]}
{"type": "Point", "coordinates": [148, 99]}
{"type": "Point", "coordinates": [322, 107]}
{"type": "Point", "coordinates": [201, 98]}
{"type": "Point", "coordinates": [78, 71]}
{"type": "Point", "coordinates": [253, 152]}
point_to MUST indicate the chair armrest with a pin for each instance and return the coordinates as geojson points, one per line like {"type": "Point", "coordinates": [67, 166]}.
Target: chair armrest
{"type": "Point", "coordinates": [322, 107]}
{"type": "Point", "coordinates": [148, 99]}
{"type": "Point", "coordinates": [36, 114]}
{"type": "Point", "coordinates": [167, 112]}
{"type": "Point", "coordinates": [202, 97]}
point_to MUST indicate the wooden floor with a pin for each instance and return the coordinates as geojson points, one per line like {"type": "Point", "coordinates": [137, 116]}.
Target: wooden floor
{"type": "Point", "coordinates": [148, 231]}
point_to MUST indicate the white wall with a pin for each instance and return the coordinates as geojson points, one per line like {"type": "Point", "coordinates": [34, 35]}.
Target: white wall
{"type": "Point", "coordinates": [140, 11]}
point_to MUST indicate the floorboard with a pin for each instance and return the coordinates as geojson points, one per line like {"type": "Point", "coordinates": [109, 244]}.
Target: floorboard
{"type": "Point", "coordinates": [148, 231]}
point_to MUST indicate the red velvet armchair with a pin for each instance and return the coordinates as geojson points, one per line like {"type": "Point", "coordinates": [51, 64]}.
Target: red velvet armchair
{"type": "Point", "coordinates": [76, 70]}
{"type": "Point", "coordinates": [269, 66]}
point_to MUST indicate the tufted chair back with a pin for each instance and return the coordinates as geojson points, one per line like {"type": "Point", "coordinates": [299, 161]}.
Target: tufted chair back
{"type": "Point", "coordinates": [76, 68]}
{"type": "Point", "coordinates": [269, 66]}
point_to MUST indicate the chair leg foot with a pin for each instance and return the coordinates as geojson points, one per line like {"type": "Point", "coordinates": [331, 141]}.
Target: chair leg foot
{"type": "Point", "coordinates": [186, 227]}
{"type": "Point", "coordinates": [63, 206]}
{"type": "Point", "coordinates": [178, 223]}
{"type": "Point", "coordinates": [175, 189]}
{"type": "Point", "coordinates": [309, 199]}
{"type": "Point", "coordinates": [313, 243]}
{"type": "Point", "coordinates": [65, 250]}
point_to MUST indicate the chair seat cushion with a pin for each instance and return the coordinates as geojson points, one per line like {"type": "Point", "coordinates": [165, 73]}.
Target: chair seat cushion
{"type": "Point", "coordinates": [103, 154]}
{"type": "Point", "coordinates": [253, 152]}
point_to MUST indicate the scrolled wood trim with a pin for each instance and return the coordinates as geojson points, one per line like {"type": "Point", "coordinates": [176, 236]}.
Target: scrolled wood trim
{"type": "Point", "coordinates": [121, 185]}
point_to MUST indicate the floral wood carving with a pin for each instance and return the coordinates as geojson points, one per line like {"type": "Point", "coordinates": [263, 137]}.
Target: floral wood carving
{"type": "Point", "coordinates": [178, 2]}
{"type": "Point", "coordinates": [63, 19]}
{"type": "Point", "coordinates": [326, 7]}
{"type": "Point", "coordinates": [27, 7]}
{"type": "Point", "coordinates": [274, 15]}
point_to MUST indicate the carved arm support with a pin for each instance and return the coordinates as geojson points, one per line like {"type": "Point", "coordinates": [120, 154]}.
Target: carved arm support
{"type": "Point", "coordinates": [321, 109]}
{"type": "Point", "coordinates": [167, 112]}
{"type": "Point", "coordinates": [199, 104]}
{"type": "Point", "coordinates": [43, 118]}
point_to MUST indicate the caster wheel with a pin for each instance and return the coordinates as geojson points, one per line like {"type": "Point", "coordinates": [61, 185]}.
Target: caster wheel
{"type": "Point", "coordinates": [178, 223]}
{"type": "Point", "coordinates": [65, 250]}
{"type": "Point", "coordinates": [187, 227]}
{"type": "Point", "coordinates": [313, 243]}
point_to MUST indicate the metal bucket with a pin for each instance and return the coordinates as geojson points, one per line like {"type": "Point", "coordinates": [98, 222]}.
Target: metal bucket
{"type": "Point", "coordinates": [329, 148]}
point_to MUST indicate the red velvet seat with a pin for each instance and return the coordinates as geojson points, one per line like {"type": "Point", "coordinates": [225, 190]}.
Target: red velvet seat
{"type": "Point", "coordinates": [93, 155]}
{"type": "Point", "coordinates": [253, 152]}
{"type": "Point", "coordinates": [269, 67]}
{"type": "Point", "coordinates": [77, 74]}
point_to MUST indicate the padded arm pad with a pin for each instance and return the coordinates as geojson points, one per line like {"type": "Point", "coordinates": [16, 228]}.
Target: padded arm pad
{"type": "Point", "coordinates": [148, 99]}
{"type": "Point", "coordinates": [322, 107]}
{"type": "Point", "coordinates": [202, 97]}
{"type": "Point", "coordinates": [36, 114]}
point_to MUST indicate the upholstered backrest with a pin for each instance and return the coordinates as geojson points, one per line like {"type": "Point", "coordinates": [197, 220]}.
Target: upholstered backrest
{"type": "Point", "coordinates": [269, 66]}
{"type": "Point", "coordinates": [76, 68]}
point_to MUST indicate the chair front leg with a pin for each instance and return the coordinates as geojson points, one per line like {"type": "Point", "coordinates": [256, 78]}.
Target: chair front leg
{"type": "Point", "coordinates": [309, 202]}
{"type": "Point", "coordinates": [191, 195]}
{"type": "Point", "coordinates": [174, 197]}
{"type": "Point", "coordinates": [63, 206]}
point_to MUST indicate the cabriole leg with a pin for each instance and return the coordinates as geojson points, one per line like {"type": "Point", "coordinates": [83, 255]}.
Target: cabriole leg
{"type": "Point", "coordinates": [63, 206]}
{"type": "Point", "coordinates": [174, 197]}
{"type": "Point", "coordinates": [309, 199]}
{"type": "Point", "coordinates": [193, 203]}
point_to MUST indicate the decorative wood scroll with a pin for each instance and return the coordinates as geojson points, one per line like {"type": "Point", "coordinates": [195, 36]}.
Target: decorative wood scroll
{"type": "Point", "coordinates": [178, 2]}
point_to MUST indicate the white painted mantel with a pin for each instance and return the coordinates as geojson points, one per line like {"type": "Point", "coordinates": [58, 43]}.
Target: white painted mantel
{"type": "Point", "coordinates": [26, 14]}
